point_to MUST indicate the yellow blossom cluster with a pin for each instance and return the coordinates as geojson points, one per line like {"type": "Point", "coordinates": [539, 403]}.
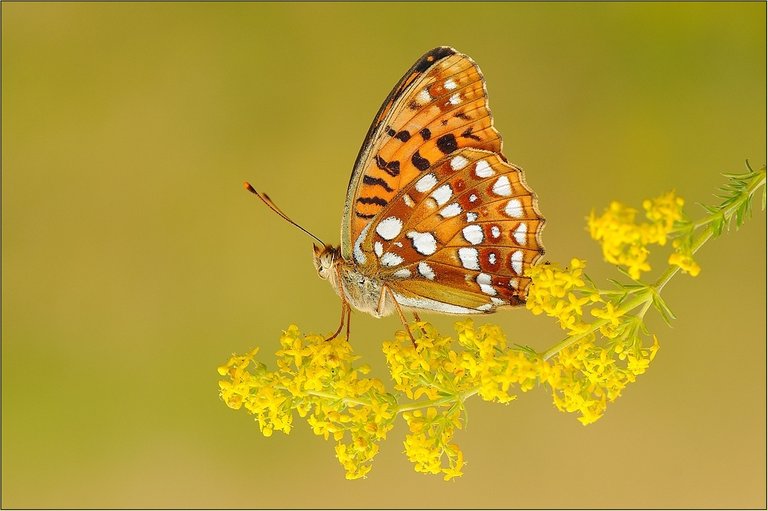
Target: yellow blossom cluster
{"type": "Point", "coordinates": [561, 294]}
{"type": "Point", "coordinates": [428, 445]}
{"type": "Point", "coordinates": [585, 377]}
{"type": "Point", "coordinates": [624, 241]}
{"type": "Point", "coordinates": [588, 372]}
{"type": "Point", "coordinates": [318, 380]}
{"type": "Point", "coordinates": [483, 364]}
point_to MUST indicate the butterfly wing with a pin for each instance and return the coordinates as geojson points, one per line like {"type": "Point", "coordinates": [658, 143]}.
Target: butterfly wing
{"type": "Point", "coordinates": [439, 106]}
{"type": "Point", "coordinates": [457, 239]}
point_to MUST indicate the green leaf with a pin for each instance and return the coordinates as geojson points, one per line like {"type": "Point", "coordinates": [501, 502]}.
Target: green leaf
{"type": "Point", "coordinates": [666, 313]}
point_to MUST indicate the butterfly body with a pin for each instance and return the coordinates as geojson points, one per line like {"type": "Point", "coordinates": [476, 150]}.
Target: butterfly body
{"type": "Point", "coordinates": [365, 293]}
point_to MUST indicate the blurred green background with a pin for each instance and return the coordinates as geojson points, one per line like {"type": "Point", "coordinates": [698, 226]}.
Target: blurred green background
{"type": "Point", "coordinates": [134, 263]}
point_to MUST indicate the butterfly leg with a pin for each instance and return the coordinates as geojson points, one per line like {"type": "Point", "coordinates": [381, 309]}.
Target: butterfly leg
{"type": "Point", "coordinates": [402, 316]}
{"type": "Point", "coordinates": [349, 320]}
{"type": "Point", "coordinates": [418, 320]}
{"type": "Point", "coordinates": [345, 309]}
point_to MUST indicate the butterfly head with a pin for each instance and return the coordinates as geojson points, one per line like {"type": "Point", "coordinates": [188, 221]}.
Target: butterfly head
{"type": "Point", "coordinates": [325, 258]}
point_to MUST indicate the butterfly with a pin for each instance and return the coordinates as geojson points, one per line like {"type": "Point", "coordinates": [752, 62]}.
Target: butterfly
{"type": "Point", "coordinates": [435, 218]}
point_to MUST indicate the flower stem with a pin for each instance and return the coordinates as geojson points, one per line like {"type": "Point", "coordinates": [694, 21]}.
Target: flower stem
{"type": "Point", "coordinates": [407, 407]}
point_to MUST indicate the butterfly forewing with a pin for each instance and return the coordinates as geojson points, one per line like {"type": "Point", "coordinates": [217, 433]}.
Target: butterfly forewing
{"type": "Point", "coordinates": [461, 234]}
{"type": "Point", "coordinates": [438, 107]}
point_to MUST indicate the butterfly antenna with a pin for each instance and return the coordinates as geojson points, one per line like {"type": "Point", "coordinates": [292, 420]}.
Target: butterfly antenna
{"type": "Point", "coordinates": [271, 205]}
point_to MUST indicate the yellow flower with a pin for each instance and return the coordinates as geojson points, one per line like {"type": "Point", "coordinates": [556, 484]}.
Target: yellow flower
{"type": "Point", "coordinates": [685, 262]}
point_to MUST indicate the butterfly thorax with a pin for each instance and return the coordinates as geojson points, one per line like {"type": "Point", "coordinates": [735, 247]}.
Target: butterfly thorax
{"type": "Point", "coordinates": [362, 292]}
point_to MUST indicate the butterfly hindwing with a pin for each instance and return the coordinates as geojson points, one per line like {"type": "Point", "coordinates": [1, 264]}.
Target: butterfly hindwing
{"type": "Point", "coordinates": [438, 107]}
{"type": "Point", "coordinates": [458, 238]}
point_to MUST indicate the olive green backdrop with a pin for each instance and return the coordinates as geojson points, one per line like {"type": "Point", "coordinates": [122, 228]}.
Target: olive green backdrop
{"type": "Point", "coordinates": [134, 263]}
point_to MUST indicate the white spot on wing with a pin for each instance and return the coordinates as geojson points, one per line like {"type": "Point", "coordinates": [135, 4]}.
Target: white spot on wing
{"type": "Point", "coordinates": [403, 273]}
{"type": "Point", "coordinates": [450, 84]}
{"type": "Point", "coordinates": [514, 208]}
{"type": "Point", "coordinates": [455, 99]}
{"type": "Point", "coordinates": [483, 169]}
{"type": "Point", "coordinates": [442, 194]}
{"type": "Point", "coordinates": [502, 187]}
{"type": "Point", "coordinates": [472, 198]}
{"type": "Point", "coordinates": [459, 162]}
{"type": "Point", "coordinates": [520, 234]}
{"type": "Point", "coordinates": [426, 271]}
{"type": "Point", "coordinates": [390, 259]}
{"type": "Point", "coordinates": [389, 228]}
{"type": "Point", "coordinates": [408, 201]}
{"type": "Point", "coordinates": [484, 281]}
{"type": "Point", "coordinates": [513, 283]}
{"type": "Point", "coordinates": [516, 262]}
{"type": "Point", "coordinates": [471, 217]}
{"type": "Point", "coordinates": [450, 210]}
{"type": "Point", "coordinates": [492, 258]}
{"type": "Point", "coordinates": [497, 301]}
{"type": "Point", "coordinates": [426, 183]}
{"type": "Point", "coordinates": [485, 307]}
{"type": "Point", "coordinates": [425, 243]}
{"type": "Point", "coordinates": [495, 231]}
{"type": "Point", "coordinates": [473, 234]}
{"type": "Point", "coordinates": [424, 96]}
{"type": "Point", "coordinates": [469, 258]}
{"type": "Point", "coordinates": [419, 302]}
{"type": "Point", "coordinates": [357, 250]}
{"type": "Point", "coordinates": [378, 248]}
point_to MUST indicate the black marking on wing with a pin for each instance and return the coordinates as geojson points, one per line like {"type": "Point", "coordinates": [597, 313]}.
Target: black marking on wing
{"type": "Point", "coordinates": [364, 216]}
{"type": "Point", "coordinates": [372, 200]}
{"type": "Point", "coordinates": [447, 143]}
{"type": "Point", "coordinates": [390, 167]}
{"type": "Point", "coordinates": [462, 115]}
{"type": "Point", "coordinates": [467, 133]}
{"type": "Point", "coordinates": [390, 131]}
{"type": "Point", "coordinates": [393, 168]}
{"type": "Point", "coordinates": [368, 180]}
{"type": "Point", "coordinates": [403, 136]}
{"type": "Point", "coordinates": [428, 59]}
{"type": "Point", "coordinates": [419, 162]}
{"type": "Point", "coordinates": [425, 134]}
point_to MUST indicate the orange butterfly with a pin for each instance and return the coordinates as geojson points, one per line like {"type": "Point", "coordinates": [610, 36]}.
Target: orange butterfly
{"type": "Point", "coordinates": [435, 217]}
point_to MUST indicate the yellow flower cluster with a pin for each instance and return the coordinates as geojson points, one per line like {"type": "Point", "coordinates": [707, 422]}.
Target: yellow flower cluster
{"type": "Point", "coordinates": [429, 441]}
{"type": "Point", "coordinates": [624, 241]}
{"type": "Point", "coordinates": [561, 294]}
{"type": "Point", "coordinates": [446, 377]}
{"type": "Point", "coordinates": [684, 261]}
{"type": "Point", "coordinates": [318, 380]}
{"type": "Point", "coordinates": [585, 377]}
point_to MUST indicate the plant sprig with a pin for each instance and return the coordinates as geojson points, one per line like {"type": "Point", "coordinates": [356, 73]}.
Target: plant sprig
{"type": "Point", "coordinates": [606, 347]}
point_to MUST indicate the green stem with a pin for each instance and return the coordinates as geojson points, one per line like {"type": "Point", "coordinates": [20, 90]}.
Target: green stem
{"type": "Point", "coordinates": [407, 407]}
{"type": "Point", "coordinates": [334, 397]}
